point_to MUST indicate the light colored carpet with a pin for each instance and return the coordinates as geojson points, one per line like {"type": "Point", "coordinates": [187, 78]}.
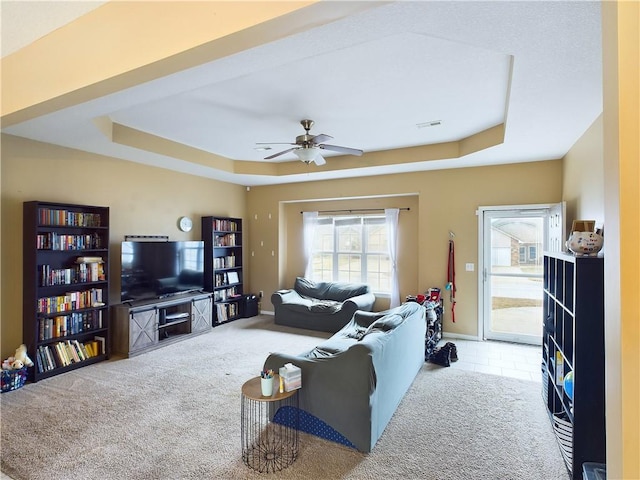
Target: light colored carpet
{"type": "Point", "coordinates": [174, 413]}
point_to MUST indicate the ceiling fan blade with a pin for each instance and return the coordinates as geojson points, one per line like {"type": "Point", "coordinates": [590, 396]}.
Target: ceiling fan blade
{"type": "Point", "coordinates": [323, 137]}
{"type": "Point", "coordinates": [275, 143]}
{"type": "Point", "coordinates": [280, 153]}
{"type": "Point", "coordinates": [319, 160]}
{"type": "Point", "coordinates": [347, 150]}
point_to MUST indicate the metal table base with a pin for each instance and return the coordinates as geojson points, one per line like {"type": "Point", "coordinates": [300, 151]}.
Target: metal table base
{"type": "Point", "coordinates": [269, 427]}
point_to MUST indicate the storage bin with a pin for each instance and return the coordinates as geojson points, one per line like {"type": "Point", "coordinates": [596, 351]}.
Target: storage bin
{"type": "Point", "coordinates": [563, 428]}
{"type": "Point", "coordinates": [250, 306]}
{"type": "Point", "coordinates": [594, 471]}
{"type": "Point", "coordinates": [13, 379]}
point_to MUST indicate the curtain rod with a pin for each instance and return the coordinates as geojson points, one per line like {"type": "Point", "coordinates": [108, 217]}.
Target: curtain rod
{"type": "Point", "coordinates": [358, 210]}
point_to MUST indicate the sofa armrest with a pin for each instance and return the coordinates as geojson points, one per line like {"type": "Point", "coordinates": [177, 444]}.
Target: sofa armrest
{"type": "Point", "coordinates": [332, 379]}
{"type": "Point", "coordinates": [284, 296]}
{"type": "Point", "coordinates": [360, 302]}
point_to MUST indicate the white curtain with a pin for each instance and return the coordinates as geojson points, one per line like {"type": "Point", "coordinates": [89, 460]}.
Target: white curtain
{"type": "Point", "coordinates": [309, 223]}
{"type": "Point", "coordinates": [391, 220]}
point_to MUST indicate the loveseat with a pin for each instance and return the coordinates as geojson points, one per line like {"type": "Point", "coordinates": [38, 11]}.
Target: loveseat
{"type": "Point", "coordinates": [325, 306]}
{"type": "Point", "coordinates": [353, 382]}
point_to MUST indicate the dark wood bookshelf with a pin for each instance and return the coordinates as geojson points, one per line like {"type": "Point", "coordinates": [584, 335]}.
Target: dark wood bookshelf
{"type": "Point", "coordinates": [573, 343]}
{"type": "Point", "coordinates": [223, 272]}
{"type": "Point", "coordinates": [65, 286]}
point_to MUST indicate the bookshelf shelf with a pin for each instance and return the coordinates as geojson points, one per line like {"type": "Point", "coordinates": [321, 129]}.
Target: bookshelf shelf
{"type": "Point", "coordinates": [223, 270]}
{"type": "Point", "coordinates": [65, 286]}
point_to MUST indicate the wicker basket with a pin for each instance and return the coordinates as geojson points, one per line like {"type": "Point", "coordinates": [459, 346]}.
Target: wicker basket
{"type": "Point", "coordinates": [13, 379]}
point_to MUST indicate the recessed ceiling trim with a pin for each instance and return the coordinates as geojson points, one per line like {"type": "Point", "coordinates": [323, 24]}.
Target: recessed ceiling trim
{"type": "Point", "coordinates": [124, 135]}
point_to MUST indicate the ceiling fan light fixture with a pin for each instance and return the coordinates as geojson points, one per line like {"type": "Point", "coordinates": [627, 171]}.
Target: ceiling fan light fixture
{"type": "Point", "coordinates": [307, 154]}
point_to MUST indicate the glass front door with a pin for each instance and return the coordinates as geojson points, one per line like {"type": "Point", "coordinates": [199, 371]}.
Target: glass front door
{"type": "Point", "coordinates": [514, 241]}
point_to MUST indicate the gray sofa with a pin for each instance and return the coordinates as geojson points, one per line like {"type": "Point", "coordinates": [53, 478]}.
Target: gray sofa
{"type": "Point", "coordinates": [325, 306]}
{"type": "Point", "coordinates": [353, 382]}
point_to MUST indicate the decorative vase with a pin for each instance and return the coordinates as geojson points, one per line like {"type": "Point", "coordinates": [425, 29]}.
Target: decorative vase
{"type": "Point", "coordinates": [585, 243]}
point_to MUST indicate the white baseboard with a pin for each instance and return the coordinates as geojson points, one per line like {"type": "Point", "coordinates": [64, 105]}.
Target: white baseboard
{"type": "Point", "coordinates": [267, 312]}
{"type": "Point", "coordinates": [461, 336]}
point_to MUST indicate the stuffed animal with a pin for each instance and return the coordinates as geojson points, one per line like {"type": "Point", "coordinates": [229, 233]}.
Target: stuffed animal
{"type": "Point", "coordinates": [6, 364]}
{"type": "Point", "coordinates": [17, 365]}
{"type": "Point", "coordinates": [21, 358]}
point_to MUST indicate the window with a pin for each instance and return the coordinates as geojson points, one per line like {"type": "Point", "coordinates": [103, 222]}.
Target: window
{"type": "Point", "coordinates": [352, 249]}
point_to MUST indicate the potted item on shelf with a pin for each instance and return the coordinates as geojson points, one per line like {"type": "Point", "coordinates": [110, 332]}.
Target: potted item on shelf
{"type": "Point", "coordinates": [584, 240]}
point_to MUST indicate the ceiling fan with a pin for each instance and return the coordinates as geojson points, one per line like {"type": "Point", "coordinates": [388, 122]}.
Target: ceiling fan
{"type": "Point", "coordinates": [307, 147]}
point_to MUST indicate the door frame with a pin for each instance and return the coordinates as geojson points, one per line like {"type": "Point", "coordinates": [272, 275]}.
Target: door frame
{"type": "Point", "coordinates": [481, 277]}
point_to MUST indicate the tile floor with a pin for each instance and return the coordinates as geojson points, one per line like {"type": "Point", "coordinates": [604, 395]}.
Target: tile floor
{"type": "Point", "coordinates": [498, 358]}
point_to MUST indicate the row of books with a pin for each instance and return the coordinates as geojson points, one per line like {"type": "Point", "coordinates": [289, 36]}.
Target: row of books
{"type": "Point", "coordinates": [81, 273]}
{"type": "Point", "coordinates": [228, 240]}
{"type": "Point", "coordinates": [226, 278]}
{"type": "Point", "coordinates": [71, 301]}
{"type": "Point", "coordinates": [224, 262]}
{"type": "Point", "coordinates": [63, 325]}
{"type": "Point", "coordinates": [225, 225]}
{"type": "Point", "coordinates": [60, 241]}
{"type": "Point", "coordinates": [223, 295]}
{"type": "Point", "coordinates": [225, 311]}
{"type": "Point", "coordinates": [52, 216]}
{"type": "Point", "coordinates": [62, 354]}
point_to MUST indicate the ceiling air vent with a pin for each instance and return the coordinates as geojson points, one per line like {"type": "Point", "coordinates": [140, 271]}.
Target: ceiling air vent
{"type": "Point", "coordinates": [432, 123]}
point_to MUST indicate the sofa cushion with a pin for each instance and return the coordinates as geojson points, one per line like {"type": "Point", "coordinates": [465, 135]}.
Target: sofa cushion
{"type": "Point", "coordinates": [343, 291]}
{"type": "Point", "coordinates": [325, 306]}
{"type": "Point", "coordinates": [336, 291]}
{"type": "Point", "coordinates": [386, 323]}
{"type": "Point", "coordinates": [309, 288]}
{"type": "Point", "coordinates": [306, 304]}
{"type": "Point", "coordinates": [330, 347]}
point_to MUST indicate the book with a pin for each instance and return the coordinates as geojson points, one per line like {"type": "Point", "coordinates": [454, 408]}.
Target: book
{"type": "Point", "coordinates": [101, 343]}
{"type": "Point", "coordinates": [559, 368]}
{"type": "Point", "coordinates": [92, 348]}
{"type": "Point", "coordinates": [79, 352]}
{"type": "Point", "coordinates": [85, 351]}
{"type": "Point", "coordinates": [50, 361]}
{"type": "Point", "coordinates": [72, 351]}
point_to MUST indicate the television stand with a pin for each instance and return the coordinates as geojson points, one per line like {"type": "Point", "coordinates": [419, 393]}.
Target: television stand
{"type": "Point", "coordinates": [146, 325]}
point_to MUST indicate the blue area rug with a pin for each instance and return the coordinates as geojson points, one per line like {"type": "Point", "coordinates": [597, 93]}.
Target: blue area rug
{"type": "Point", "coordinates": [309, 424]}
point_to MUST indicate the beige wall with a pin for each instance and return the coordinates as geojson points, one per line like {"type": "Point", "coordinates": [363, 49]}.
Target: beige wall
{"type": "Point", "coordinates": [621, 119]}
{"type": "Point", "coordinates": [446, 201]}
{"type": "Point", "coordinates": [583, 177]}
{"type": "Point", "coordinates": [143, 201]}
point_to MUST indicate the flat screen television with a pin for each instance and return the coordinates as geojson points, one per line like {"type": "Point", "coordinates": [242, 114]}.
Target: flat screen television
{"type": "Point", "coordinates": [160, 269]}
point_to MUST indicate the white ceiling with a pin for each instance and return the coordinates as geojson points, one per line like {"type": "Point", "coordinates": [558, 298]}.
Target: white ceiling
{"type": "Point", "coordinates": [24, 21]}
{"type": "Point", "coordinates": [368, 80]}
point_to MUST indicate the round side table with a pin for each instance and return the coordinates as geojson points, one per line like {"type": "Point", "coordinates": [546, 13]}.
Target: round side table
{"type": "Point", "coordinates": [269, 427]}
